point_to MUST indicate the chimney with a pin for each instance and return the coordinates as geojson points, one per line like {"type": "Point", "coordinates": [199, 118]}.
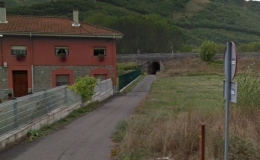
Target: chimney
{"type": "Point", "coordinates": [75, 17]}
{"type": "Point", "coordinates": [2, 12]}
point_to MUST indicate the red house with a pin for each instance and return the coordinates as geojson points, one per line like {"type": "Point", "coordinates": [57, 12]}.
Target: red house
{"type": "Point", "coordinates": [38, 53]}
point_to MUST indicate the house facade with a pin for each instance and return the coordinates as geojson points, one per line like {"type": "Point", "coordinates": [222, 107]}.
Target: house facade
{"type": "Point", "coordinates": [38, 53]}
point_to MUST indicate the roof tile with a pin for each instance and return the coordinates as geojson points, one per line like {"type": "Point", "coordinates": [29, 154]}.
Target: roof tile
{"type": "Point", "coordinates": [55, 25]}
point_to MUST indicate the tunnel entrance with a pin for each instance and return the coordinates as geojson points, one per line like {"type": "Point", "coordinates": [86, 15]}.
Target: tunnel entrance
{"type": "Point", "coordinates": [153, 68]}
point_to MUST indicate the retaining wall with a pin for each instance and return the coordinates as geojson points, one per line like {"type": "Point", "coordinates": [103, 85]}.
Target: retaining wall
{"type": "Point", "coordinates": [14, 136]}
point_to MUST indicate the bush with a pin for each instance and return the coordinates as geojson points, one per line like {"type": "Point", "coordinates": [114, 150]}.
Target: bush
{"type": "Point", "coordinates": [85, 87]}
{"type": "Point", "coordinates": [208, 50]}
{"type": "Point", "coordinates": [127, 66]}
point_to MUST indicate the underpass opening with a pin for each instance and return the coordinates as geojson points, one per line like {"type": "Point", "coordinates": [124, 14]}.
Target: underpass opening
{"type": "Point", "coordinates": [153, 68]}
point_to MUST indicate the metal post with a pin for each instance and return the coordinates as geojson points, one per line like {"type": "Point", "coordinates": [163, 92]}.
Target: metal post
{"type": "Point", "coordinates": [44, 99]}
{"type": "Point", "coordinates": [15, 112]}
{"type": "Point", "coordinates": [115, 90]}
{"type": "Point", "coordinates": [202, 142]}
{"type": "Point", "coordinates": [228, 90]}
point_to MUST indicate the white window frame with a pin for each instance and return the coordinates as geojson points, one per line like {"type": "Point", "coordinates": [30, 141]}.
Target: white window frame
{"type": "Point", "coordinates": [18, 50]}
{"type": "Point", "coordinates": [57, 48]}
{"type": "Point", "coordinates": [99, 48]}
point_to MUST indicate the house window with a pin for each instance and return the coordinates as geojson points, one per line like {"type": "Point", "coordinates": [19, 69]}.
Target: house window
{"type": "Point", "coordinates": [62, 80]}
{"type": "Point", "coordinates": [99, 50]}
{"type": "Point", "coordinates": [61, 50]}
{"type": "Point", "coordinates": [18, 50]}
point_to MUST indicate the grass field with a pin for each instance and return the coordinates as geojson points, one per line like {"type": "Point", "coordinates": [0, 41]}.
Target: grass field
{"type": "Point", "coordinates": [188, 93]}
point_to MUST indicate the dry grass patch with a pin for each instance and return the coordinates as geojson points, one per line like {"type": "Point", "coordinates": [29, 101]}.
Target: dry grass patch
{"type": "Point", "coordinates": [154, 135]}
{"type": "Point", "coordinates": [246, 62]}
{"type": "Point", "coordinates": [191, 65]}
{"type": "Point", "coordinates": [188, 66]}
{"type": "Point", "coordinates": [167, 122]}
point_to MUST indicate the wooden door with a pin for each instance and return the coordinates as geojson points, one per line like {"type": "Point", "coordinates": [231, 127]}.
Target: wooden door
{"type": "Point", "coordinates": [20, 83]}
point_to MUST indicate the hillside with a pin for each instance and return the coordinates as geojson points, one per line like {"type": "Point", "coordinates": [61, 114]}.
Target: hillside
{"type": "Point", "coordinates": [197, 20]}
{"type": "Point", "coordinates": [223, 16]}
{"type": "Point", "coordinates": [10, 3]}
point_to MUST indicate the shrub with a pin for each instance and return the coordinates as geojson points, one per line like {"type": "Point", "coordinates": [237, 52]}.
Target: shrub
{"type": "Point", "coordinates": [85, 87]}
{"type": "Point", "coordinates": [207, 51]}
{"type": "Point", "coordinates": [120, 72]}
{"type": "Point", "coordinates": [249, 90]}
{"type": "Point", "coordinates": [242, 149]}
{"type": "Point", "coordinates": [239, 148]}
{"type": "Point", "coordinates": [127, 66]}
{"type": "Point", "coordinates": [33, 134]}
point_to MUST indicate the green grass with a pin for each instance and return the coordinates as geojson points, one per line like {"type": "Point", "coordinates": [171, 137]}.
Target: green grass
{"type": "Point", "coordinates": [181, 93]}
{"type": "Point", "coordinates": [119, 131]}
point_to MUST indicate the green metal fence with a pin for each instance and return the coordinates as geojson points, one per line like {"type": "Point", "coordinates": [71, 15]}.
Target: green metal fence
{"type": "Point", "coordinates": [24, 110]}
{"type": "Point", "coordinates": [127, 78]}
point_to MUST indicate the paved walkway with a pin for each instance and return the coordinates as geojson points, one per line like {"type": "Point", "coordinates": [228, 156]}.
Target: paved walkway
{"type": "Point", "coordinates": [87, 138]}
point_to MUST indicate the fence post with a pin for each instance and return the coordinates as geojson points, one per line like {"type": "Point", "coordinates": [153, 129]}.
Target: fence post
{"type": "Point", "coordinates": [44, 99]}
{"type": "Point", "coordinates": [106, 85]}
{"type": "Point", "coordinates": [66, 96]}
{"type": "Point", "coordinates": [202, 141]}
{"type": "Point", "coordinates": [15, 112]}
{"type": "Point", "coordinates": [115, 89]}
{"type": "Point", "coordinates": [99, 86]}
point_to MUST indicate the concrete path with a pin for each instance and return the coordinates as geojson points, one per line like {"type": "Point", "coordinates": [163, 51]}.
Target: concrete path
{"type": "Point", "coordinates": [87, 138]}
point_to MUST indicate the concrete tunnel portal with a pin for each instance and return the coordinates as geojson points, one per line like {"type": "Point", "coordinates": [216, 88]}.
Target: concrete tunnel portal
{"type": "Point", "coordinates": [153, 68]}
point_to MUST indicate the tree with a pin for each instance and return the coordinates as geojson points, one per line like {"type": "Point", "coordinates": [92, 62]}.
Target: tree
{"type": "Point", "coordinates": [149, 33]}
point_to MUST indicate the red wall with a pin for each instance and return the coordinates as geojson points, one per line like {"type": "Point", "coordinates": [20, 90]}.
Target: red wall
{"type": "Point", "coordinates": [40, 51]}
